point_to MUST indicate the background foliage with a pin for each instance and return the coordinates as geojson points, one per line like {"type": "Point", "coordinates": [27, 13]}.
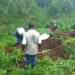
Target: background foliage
{"type": "Point", "coordinates": [16, 13]}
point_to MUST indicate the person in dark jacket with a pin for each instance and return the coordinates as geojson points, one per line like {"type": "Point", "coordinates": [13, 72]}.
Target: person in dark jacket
{"type": "Point", "coordinates": [20, 34]}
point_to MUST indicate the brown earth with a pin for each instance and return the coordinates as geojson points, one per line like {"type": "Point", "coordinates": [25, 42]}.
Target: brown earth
{"type": "Point", "coordinates": [66, 34]}
{"type": "Point", "coordinates": [55, 49]}
{"type": "Point", "coordinates": [46, 44]}
{"type": "Point", "coordinates": [49, 44]}
{"type": "Point", "coordinates": [51, 53]}
{"type": "Point", "coordinates": [54, 53]}
{"type": "Point", "coordinates": [72, 34]}
{"type": "Point", "coordinates": [10, 49]}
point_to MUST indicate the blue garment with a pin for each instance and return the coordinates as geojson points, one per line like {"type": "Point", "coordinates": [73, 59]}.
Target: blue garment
{"type": "Point", "coordinates": [31, 59]}
{"type": "Point", "coordinates": [19, 38]}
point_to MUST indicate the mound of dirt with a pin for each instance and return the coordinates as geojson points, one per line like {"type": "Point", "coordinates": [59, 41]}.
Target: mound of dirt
{"type": "Point", "coordinates": [72, 34]}
{"type": "Point", "coordinates": [49, 44]}
{"type": "Point", "coordinates": [53, 53]}
{"type": "Point", "coordinates": [66, 34]}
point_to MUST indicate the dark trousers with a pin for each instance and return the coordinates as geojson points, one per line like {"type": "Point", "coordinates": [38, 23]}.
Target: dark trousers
{"type": "Point", "coordinates": [31, 59]}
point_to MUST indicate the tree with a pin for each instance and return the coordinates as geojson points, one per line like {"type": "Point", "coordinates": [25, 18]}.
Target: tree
{"type": "Point", "coordinates": [43, 3]}
{"type": "Point", "coordinates": [60, 7]}
{"type": "Point", "coordinates": [54, 8]}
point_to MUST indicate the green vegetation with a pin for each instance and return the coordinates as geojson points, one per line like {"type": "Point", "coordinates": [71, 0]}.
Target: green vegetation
{"type": "Point", "coordinates": [18, 13]}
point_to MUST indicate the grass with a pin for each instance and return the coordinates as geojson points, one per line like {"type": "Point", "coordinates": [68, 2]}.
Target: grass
{"type": "Point", "coordinates": [47, 66]}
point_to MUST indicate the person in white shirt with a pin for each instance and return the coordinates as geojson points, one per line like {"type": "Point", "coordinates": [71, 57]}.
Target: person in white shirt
{"type": "Point", "coordinates": [31, 40]}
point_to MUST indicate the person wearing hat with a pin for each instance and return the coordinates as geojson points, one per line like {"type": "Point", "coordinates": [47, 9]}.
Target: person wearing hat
{"type": "Point", "coordinates": [32, 41]}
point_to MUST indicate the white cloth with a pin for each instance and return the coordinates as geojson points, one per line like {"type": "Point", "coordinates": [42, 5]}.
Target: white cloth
{"type": "Point", "coordinates": [32, 41]}
{"type": "Point", "coordinates": [21, 30]}
{"type": "Point", "coordinates": [44, 36]}
{"type": "Point", "coordinates": [24, 39]}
